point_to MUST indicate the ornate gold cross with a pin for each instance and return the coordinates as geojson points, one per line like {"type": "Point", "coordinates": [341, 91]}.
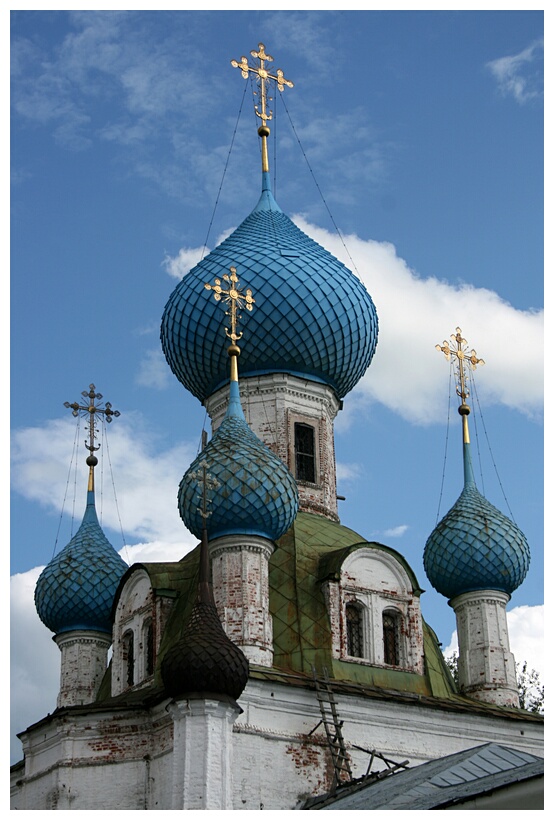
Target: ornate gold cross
{"type": "Point", "coordinates": [458, 348]}
{"type": "Point", "coordinates": [92, 410]}
{"type": "Point", "coordinates": [234, 299]}
{"type": "Point", "coordinates": [263, 76]}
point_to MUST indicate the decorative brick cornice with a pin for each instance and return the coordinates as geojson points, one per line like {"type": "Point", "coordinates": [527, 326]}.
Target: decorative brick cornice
{"type": "Point", "coordinates": [480, 597]}
{"type": "Point", "coordinates": [240, 543]}
{"type": "Point", "coordinates": [82, 637]}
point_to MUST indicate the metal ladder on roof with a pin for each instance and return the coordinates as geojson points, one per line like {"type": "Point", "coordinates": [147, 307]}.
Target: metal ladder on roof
{"type": "Point", "coordinates": [333, 728]}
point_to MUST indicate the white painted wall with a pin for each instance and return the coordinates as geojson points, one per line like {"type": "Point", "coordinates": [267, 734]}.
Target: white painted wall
{"type": "Point", "coordinates": [124, 759]}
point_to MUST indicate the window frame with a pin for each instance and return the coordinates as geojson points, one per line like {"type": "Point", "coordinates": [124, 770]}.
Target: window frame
{"type": "Point", "coordinates": [314, 423]}
{"type": "Point", "coordinates": [304, 457]}
{"type": "Point", "coordinates": [375, 580]}
{"type": "Point", "coordinates": [355, 606]}
{"type": "Point", "coordinates": [396, 630]}
{"type": "Point", "coordinates": [128, 657]}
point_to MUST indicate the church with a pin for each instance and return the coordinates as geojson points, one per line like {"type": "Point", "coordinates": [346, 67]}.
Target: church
{"type": "Point", "coordinates": [284, 663]}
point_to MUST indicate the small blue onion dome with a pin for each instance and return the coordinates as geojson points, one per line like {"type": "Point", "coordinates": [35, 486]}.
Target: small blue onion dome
{"type": "Point", "coordinates": [77, 588]}
{"type": "Point", "coordinates": [475, 546]}
{"type": "Point", "coordinates": [256, 493]}
{"type": "Point", "coordinates": [313, 318]}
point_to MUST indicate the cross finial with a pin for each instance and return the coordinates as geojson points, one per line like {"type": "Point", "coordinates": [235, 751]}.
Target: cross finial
{"type": "Point", "coordinates": [92, 410]}
{"type": "Point", "coordinates": [263, 77]}
{"type": "Point", "coordinates": [457, 348]}
{"type": "Point", "coordinates": [205, 482]}
{"type": "Point", "coordinates": [234, 299]}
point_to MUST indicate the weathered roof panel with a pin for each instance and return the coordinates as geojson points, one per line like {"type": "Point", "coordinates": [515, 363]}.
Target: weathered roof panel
{"type": "Point", "coordinates": [439, 783]}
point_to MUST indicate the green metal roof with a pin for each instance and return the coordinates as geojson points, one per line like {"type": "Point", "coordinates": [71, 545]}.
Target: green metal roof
{"type": "Point", "coordinates": [311, 551]}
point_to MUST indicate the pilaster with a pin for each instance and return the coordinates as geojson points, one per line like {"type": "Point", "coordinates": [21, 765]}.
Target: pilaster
{"type": "Point", "coordinates": [240, 578]}
{"type": "Point", "coordinates": [486, 667]}
{"type": "Point", "coordinates": [83, 664]}
{"type": "Point", "coordinates": [202, 753]}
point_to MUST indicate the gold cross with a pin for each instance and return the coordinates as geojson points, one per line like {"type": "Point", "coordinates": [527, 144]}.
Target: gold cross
{"type": "Point", "coordinates": [263, 76]}
{"type": "Point", "coordinates": [205, 482]}
{"type": "Point", "coordinates": [92, 409]}
{"type": "Point", "coordinates": [233, 298]}
{"type": "Point", "coordinates": [458, 348]}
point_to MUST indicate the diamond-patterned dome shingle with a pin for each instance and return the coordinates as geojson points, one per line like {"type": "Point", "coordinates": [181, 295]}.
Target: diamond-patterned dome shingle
{"type": "Point", "coordinates": [313, 316]}
{"type": "Point", "coordinates": [256, 494]}
{"type": "Point", "coordinates": [76, 589]}
{"type": "Point", "coordinates": [204, 659]}
{"type": "Point", "coordinates": [475, 547]}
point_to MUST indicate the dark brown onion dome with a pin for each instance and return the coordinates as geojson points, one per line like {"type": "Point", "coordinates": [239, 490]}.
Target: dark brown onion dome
{"type": "Point", "coordinates": [204, 660]}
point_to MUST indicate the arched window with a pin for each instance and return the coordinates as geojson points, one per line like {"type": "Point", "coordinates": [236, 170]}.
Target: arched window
{"type": "Point", "coordinates": [304, 451]}
{"type": "Point", "coordinates": [391, 642]}
{"type": "Point", "coordinates": [149, 648]}
{"type": "Point", "coordinates": [129, 658]}
{"type": "Point", "coordinates": [354, 631]}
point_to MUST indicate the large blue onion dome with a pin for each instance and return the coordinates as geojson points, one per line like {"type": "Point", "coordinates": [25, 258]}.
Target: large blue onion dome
{"type": "Point", "coordinates": [255, 492]}
{"type": "Point", "coordinates": [314, 317]}
{"type": "Point", "coordinates": [77, 588]}
{"type": "Point", "coordinates": [475, 546]}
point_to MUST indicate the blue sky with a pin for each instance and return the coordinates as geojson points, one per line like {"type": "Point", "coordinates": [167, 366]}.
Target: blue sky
{"type": "Point", "coordinates": [418, 134]}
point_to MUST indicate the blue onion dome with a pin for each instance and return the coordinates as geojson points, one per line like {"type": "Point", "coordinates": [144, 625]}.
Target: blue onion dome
{"type": "Point", "coordinates": [475, 546]}
{"type": "Point", "coordinates": [77, 588]}
{"type": "Point", "coordinates": [255, 493]}
{"type": "Point", "coordinates": [314, 316]}
{"type": "Point", "coordinates": [204, 660]}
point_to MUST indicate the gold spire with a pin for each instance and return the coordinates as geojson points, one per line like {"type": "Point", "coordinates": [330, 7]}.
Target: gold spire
{"type": "Point", "coordinates": [458, 348]}
{"type": "Point", "coordinates": [235, 300]}
{"type": "Point", "coordinates": [263, 76]}
{"type": "Point", "coordinates": [92, 409]}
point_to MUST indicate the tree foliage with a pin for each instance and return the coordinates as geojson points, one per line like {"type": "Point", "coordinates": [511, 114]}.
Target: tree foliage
{"type": "Point", "coordinates": [529, 686]}
{"type": "Point", "coordinates": [530, 689]}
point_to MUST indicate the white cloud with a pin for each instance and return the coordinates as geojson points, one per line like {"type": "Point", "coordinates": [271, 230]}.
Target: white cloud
{"type": "Point", "coordinates": [348, 472]}
{"type": "Point", "coordinates": [396, 532]}
{"type": "Point", "coordinates": [185, 260]}
{"type": "Point", "coordinates": [147, 509]}
{"type": "Point", "coordinates": [153, 370]}
{"type": "Point", "coordinates": [32, 695]}
{"type": "Point", "coordinates": [153, 551]}
{"type": "Point", "coordinates": [306, 33]}
{"type": "Point", "coordinates": [417, 313]}
{"type": "Point", "coordinates": [520, 75]}
{"type": "Point", "coordinates": [526, 630]}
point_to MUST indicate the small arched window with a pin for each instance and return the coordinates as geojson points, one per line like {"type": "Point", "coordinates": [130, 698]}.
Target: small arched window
{"type": "Point", "coordinates": [129, 658]}
{"type": "Point", "coordinates": [304, 451]}
{"type": "Point", "coordinates": [354, 631]}
{"type": "Point", "coordinates": [391, 639]}
{"type": "Point", "coordinates": [149, 648]}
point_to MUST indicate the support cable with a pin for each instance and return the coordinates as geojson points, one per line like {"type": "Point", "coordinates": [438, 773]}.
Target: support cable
{"type": "Point", "coordinates": [445, 444]}
{"type": "Point", "coordinates": [71, 466]}
{"type": "Point", "coordinates": [74, 487]}
{"type": "Point", "coordinates": [223, 175]}
{"type": "Point", "coordinates": [339, 234]}
{"type": "Point", "coordinates": [105, 439]}
{"type": "Point", "coordinates": [491, 453]}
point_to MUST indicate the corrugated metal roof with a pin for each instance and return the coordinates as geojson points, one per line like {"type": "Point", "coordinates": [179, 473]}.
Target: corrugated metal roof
{"type": "Point", "coordinates": [438, 783]}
